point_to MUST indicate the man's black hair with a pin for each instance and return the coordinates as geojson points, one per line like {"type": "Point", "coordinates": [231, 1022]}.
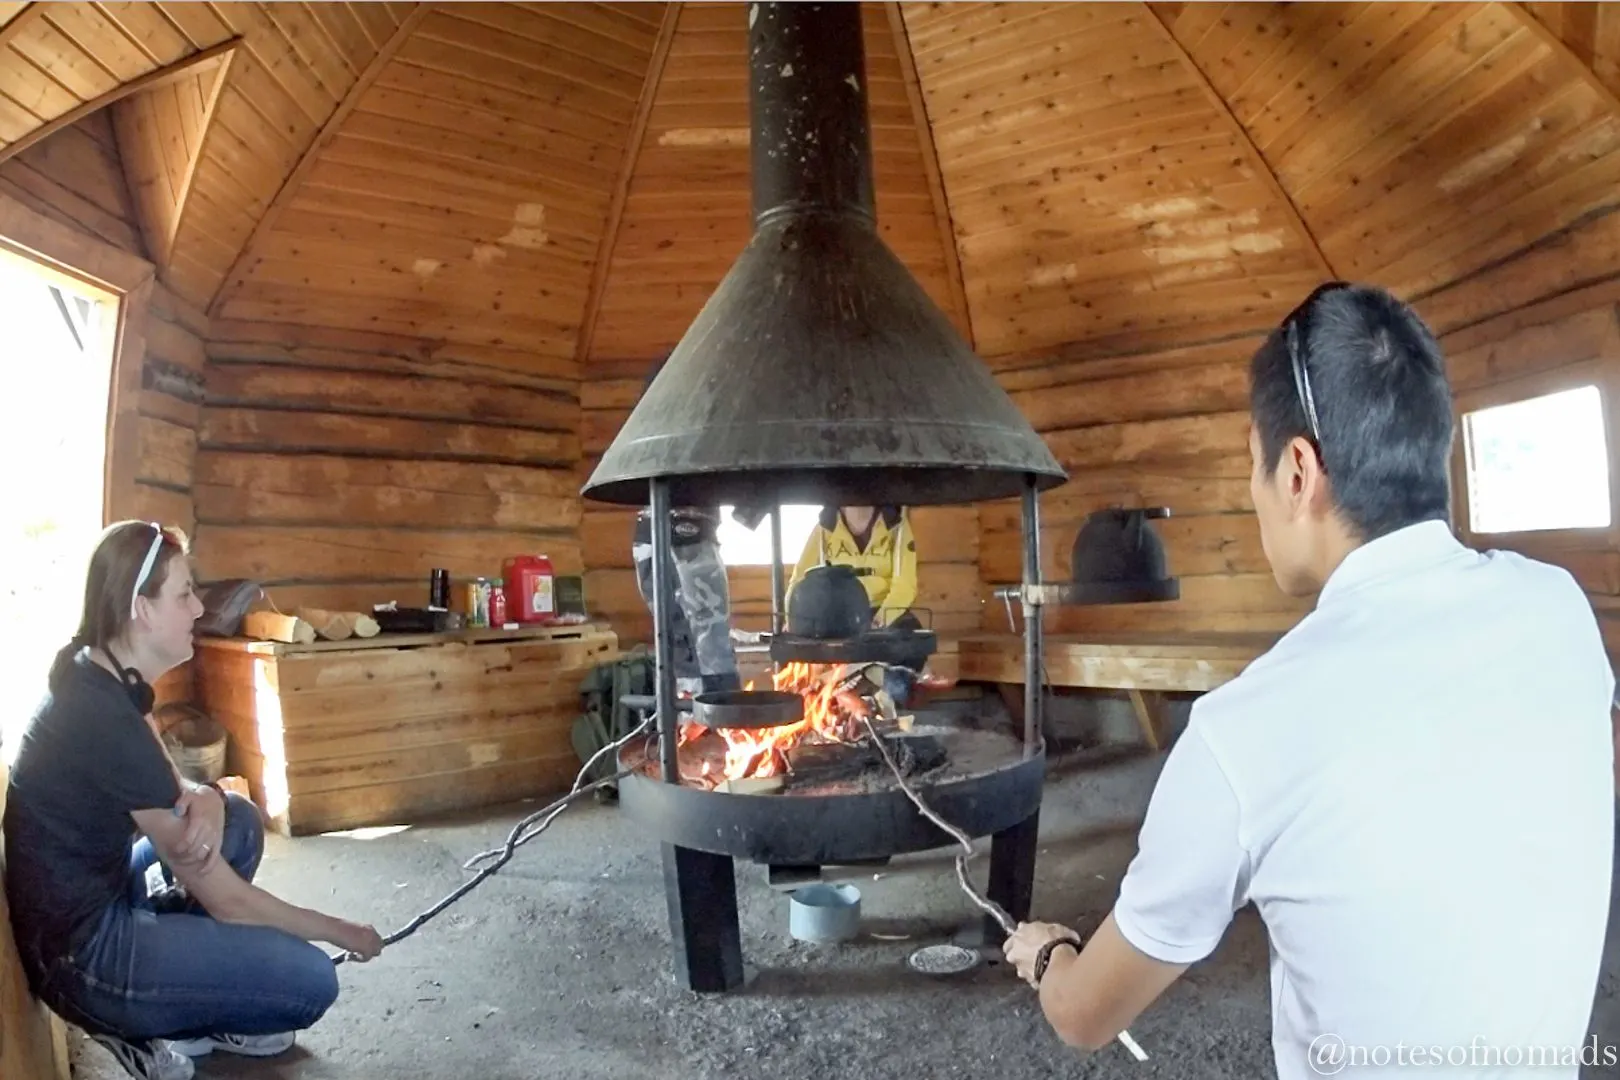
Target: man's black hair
{"type": "Point", "coordinates": [1376, 379]}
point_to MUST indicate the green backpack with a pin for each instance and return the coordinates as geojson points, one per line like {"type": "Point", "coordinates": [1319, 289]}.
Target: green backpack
{"type": "Point", "coordinates": [604, 720]}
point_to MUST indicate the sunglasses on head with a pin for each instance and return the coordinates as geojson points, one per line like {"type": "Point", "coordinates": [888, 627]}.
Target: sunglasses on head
{"type": "Point", "coordinates": [1296, 332]}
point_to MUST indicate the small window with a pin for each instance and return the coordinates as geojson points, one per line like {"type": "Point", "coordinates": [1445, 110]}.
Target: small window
{"type": "Point", "coordinates": [752, 547]}
{"type": "Point", "coordinates": [1537, 464]}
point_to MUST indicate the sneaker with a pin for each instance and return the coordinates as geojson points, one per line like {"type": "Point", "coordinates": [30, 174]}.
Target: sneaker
{"type": "Point", "coordinates": [147, 1059]}
{"type": "Point", "coordinates": [245, 1045]}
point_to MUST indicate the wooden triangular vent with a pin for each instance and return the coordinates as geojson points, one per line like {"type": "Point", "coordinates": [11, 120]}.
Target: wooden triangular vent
{"type": "Point", "coordinates": [161, 131]}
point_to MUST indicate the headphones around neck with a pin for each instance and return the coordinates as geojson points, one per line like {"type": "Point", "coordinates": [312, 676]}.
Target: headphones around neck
{"type": "Point", "coordinates": [141, 694]}
{"type": "Point", "coordinates": [139, 690]}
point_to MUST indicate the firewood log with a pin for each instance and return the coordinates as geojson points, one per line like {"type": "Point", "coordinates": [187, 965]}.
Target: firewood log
{"type": "Point", "coordinates": [273, 626]}
{"type": "Point", "coordinates": [331, 625]}
{"type": "Point", "coordinates": [340, 625]}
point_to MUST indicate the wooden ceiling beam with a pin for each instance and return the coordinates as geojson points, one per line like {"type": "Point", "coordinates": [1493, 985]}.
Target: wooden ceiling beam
{"type": "Point", "coordinates": [237, 274]}
{"type": "Point", "coordinates": [1610, 95]}
{"type": "Point", "coordinates": [1267, 175]}
{"type": "Point", "coordinates": [19, 21]}
{"type": "Point", "coordinates": [930, 158]}
{"type": "Point", "coordinates": [621, 187]}
{"type": "Point", "coordinates": [194, 64]}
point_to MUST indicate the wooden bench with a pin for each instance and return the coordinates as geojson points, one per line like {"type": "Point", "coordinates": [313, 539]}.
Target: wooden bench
{"type": "Point", "coordinates": [33, 1040]}
{"type": "Point", "coordinates": [1145, 665]}
{"type": "Point", "coordinates": [340, 734]}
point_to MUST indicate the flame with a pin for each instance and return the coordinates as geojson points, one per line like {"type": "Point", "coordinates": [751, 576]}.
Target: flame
{"type": "Point", "coordinates": [831, 714]}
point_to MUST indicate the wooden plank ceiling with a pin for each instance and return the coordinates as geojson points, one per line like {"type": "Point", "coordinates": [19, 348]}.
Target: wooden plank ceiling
{"type": "Point", "coordinates": [296, 64]}
{"type": "Point", "coordinates": [687, 215]}
{"type": "Point", "coordinates": [464, 196]}
{"type": "Point", "coordinates": [565, 183]}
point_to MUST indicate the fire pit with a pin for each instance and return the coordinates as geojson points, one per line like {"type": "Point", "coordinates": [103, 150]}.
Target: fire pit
{"type": "Point", "coordinates": [982, 783]}
{"type": "Point", "coordinates": [821, 372]}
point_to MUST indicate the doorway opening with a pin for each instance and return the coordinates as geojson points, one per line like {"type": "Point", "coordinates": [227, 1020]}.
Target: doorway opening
{"type": "Point", "coordinates": [60, 335]}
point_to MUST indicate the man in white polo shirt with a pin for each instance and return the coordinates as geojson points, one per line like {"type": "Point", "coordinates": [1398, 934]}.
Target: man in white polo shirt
{"type": "Point", "coordinates": [1414, 786]}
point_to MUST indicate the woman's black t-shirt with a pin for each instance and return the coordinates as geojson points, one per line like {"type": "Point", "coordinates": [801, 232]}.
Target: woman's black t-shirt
{"type": "Point", "coordinates": [86, 760]}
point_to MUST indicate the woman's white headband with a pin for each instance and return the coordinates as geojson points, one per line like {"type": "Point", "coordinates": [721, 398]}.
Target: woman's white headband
{"type": "Point", "coordinates": [146, 567]}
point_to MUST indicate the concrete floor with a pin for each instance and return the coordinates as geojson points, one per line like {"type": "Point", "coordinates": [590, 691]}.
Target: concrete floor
{"type": "Point", "coordinates": [559, 967]}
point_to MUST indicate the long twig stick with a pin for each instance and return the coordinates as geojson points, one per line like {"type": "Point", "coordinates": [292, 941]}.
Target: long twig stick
{"type": "Point", "coordinates": [990, 907]}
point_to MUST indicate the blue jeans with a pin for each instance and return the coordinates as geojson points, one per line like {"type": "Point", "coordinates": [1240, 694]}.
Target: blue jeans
{"type": "Point", "coordinates": [166, 969]}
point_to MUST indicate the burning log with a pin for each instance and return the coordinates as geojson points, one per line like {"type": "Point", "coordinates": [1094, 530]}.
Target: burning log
{"type": "Point", "coordinates": [838, 701]}
{"type": "Point", "coordinates": [753, 785]}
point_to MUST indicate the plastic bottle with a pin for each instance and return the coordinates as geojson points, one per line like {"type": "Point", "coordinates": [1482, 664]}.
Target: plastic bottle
{"type": "Point", "coordinates": [497, 604]}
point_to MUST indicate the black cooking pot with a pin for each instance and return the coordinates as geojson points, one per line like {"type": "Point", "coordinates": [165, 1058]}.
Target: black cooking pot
{"type": "Point", "coordinates": [829, 602]}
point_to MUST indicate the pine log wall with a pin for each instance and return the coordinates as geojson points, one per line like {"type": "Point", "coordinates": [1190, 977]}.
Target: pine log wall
{"type": "Point", "coordinates": [685, 218]}
{"type": "Point", "coordinates": [338, 467]}
{"type": "Point", "coordinates": [1170, 428]}
{"type": "Point", "coordinates": [1543, 321]}
{"type": "Point", "coordinates": [1157, 429]}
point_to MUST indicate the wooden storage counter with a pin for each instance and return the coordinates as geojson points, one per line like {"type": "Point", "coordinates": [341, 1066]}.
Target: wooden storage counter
{"type": "Point", "coordinates": [384, 730]}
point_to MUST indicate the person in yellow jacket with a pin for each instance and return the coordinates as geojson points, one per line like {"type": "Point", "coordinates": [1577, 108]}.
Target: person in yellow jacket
{"type": "Point", "coordinates": [877, 539]}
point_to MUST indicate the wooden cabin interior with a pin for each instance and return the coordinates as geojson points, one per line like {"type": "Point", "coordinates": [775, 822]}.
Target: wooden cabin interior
{"type": "Point", "coordinates": [390, 277]}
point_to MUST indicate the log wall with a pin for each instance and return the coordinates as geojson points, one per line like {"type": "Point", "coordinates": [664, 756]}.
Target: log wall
{"type": "Point", "coordinates": [1543, 321]}
{"type": "Point", "coordinates": [1164, 428]}
{"type": "Point", "coordinates": [339, 467]}
{"type": "Point", "coordinates": [1170, 428]}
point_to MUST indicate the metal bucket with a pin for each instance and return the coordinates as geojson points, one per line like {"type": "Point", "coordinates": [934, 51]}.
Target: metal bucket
{"type": "Point", "coordinates": [194, 740]}
{"type": "Point", "coordinates": [824, 912]}
{"type": "Point", "coordinates": [202, 764]}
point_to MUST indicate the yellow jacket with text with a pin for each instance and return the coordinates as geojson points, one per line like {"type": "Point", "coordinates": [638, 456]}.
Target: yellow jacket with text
{"type": "Point", "coordinates": [890, 554]}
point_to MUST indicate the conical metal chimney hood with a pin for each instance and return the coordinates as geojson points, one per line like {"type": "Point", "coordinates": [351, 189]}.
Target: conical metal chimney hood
{"type": "Point", "coordinates": [820, 371]}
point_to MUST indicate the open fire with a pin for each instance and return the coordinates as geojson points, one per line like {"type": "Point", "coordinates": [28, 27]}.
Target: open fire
{"type": "Point", "coordinates": [837, 697]}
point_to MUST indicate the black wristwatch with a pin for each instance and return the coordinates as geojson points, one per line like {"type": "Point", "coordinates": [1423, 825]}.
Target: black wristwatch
{"type": "Point", "coordinates": [1044, 956]}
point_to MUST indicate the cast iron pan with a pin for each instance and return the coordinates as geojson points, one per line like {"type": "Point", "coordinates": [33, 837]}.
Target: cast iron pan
{"type": "Point", "coordinates": [748, 708]}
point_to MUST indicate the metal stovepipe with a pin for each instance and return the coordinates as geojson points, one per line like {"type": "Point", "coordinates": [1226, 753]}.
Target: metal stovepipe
{"type": "Point", "coordinates": [1034, 699]}
{"type": "Point", "coordinates": [778, 615]}
{"type": "Point", "coordinates": [663, 593]}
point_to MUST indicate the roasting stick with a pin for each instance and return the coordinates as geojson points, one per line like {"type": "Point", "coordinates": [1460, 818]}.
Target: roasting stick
{"type": "Point", "coordinates": [988, 906]}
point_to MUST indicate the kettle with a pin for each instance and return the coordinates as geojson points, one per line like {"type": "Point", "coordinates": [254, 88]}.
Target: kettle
{"type": "Point", "coordinates": [1119, 559]}
{"type": "Point", "coordinates": [829, 602]}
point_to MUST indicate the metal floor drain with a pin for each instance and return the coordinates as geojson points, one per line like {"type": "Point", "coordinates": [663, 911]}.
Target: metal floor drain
{"type": "Point", "coordinates": [943, 960]}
